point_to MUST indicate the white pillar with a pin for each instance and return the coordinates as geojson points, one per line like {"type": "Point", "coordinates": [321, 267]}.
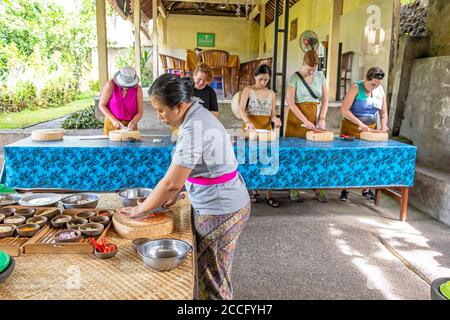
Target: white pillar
{"type": "Point", "coordinates": [155, 39]}
{"type": "Point", "coordinates": [137, 36]}
{"type": "Point", "coordinates": [102, 50]}
{"type": "Point", "coordinates": [333, 48]}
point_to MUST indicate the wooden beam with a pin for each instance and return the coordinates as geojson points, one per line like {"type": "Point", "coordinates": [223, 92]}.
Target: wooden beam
{"type": "Point", "coordinates": [102, 50]}
{"type": "Point", "coordinates": [262, 28]}
{"type": "Point", "coordinates": [333, 48]}
{"type": "Point", "coordinates": [137, 35]}
{"type": "Point", "coordinates": [162, 10]}
{"type": "Point", "coordinates": [155, 39]}
{"type": "Point", "coordinates": [254, 13]}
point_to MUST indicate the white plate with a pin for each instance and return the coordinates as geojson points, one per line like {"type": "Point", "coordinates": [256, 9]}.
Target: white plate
{"type": "Point", "coordinates": [40, 200]}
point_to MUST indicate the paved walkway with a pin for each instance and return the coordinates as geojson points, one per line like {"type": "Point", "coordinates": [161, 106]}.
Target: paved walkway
{"type": "Point", "coordinates": [337, 250]}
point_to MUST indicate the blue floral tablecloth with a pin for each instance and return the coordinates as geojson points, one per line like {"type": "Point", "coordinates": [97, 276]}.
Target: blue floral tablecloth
{"type": "Point", "coordinates": [102, 165]}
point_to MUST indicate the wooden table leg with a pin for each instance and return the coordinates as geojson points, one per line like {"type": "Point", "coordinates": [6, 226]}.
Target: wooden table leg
{"type": "Point", "coordinates": [404, 203]}
{"type": "Point", "coordinates": [377, 197]}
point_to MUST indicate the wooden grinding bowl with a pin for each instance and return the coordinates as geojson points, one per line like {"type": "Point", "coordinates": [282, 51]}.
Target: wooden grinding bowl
{"type": "Point", "coordinates": [319, 136]}
{"type": "Point", "coordinates": [158, 225]}
{"type": "Point", "coordinates": [47, 134]}
{"type": "Point", "coordinates": [374, 135]}
{"type": "Point", "coordinates": [124, 135]}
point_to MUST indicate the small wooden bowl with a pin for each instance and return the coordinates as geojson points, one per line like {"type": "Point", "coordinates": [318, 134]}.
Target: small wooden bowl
{"type": "Point", "coordinates": [27, 233]}
{"type": "Point", "coordinates": [105, 255]}
{"type": "Point", "coordinates": [85, 214]}
{"type": "Point", "coordinates": [91, 229]}
{"type": "Point", "coordinates": [8, 233]}
{"type": "Point", "coordinates": [27, 213]}
{"type": "Point", "coordinates": [137, 242]}
{"type": "Point", "coordinates": [99, 219]}
{"type": "Point", "coordinates": [8, 212]}
{"type": "Point", "coordinates": [16, 220]}
{"type": "Point", "coordinates": [75, 223]}
{"type": "Point", "coordinates": [40, 220]}
{"type": "Point", "coordinates": [60, 221]}
{"type": "Point", "coordinates": [48, 213]}
{"type": "Point", "coordinates": [106, 213]}
{"type": "Point", "coordinates": [59, 238]}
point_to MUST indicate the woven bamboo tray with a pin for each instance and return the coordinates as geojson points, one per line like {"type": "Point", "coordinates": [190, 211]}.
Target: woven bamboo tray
{"type": "Point", "coordinates": [123, 277]}
{"type": "Point", "coordinates": [44, 241]}
{"type": "Point", "coordinates": [14, 245]}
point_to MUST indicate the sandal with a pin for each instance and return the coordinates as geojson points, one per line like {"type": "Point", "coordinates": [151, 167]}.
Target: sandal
{"type": "Point", "coordinates": [254, 197]}
{"type": "Point", "coordinates": [271, 202]}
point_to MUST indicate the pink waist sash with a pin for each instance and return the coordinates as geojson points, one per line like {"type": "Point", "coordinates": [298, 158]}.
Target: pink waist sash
{"type": "Point", "coordinates": [211, 181]}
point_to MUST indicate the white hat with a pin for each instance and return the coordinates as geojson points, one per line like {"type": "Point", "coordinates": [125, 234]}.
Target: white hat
{"type": "Point", "coordinates": [126, 77]}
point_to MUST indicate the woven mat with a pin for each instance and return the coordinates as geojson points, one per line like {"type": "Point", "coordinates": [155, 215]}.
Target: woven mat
{"type": "Point", "coordinates": [82, 276]}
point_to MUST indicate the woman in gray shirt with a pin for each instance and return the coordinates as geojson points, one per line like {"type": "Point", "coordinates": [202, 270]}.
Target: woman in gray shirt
{"type": "Point", "coordinates": [204, 162]}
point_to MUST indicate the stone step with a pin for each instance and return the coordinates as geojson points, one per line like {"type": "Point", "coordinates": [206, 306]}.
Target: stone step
{"type": "Point", "coordinates": [431, 193]}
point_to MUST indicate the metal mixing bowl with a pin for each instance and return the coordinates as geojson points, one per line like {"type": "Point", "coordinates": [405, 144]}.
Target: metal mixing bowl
{"type": "Point", "coordinates": [164, 254]}
{"type": "Point", "coordinates": [130, 197]}
{"type": "Point", "coordinates": [81, 200]}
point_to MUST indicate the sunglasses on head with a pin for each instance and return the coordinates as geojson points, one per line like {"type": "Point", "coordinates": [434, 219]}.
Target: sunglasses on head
{"type": "Point", "coordinates": [379, 75]}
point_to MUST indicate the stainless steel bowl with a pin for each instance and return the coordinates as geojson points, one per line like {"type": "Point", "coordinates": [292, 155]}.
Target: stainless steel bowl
{"type": "Point", "coordinates": [81, 200]}
{"type": "Point", "coordinates": [130, 197]}
{"type": "Point", "coordinates": [9, 199]}
{"type": "Point", "coordinates": [164, 254]}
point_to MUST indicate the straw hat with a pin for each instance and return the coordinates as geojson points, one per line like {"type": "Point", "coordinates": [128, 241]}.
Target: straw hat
{"type": "Point", "coordinates": [126, 77]}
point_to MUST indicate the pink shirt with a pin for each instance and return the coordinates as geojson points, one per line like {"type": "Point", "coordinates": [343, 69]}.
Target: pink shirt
{"type": "Point", "coordinates": [123, 108]}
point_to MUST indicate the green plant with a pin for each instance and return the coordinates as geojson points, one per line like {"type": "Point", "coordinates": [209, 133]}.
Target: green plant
{"type": "Point", "coordinates": [94, 85]}
{"type": "Point", "coordinates": [83, 119]}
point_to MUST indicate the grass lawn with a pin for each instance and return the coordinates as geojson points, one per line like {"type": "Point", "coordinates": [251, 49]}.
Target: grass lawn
{"type": "Point", "coordinates": [19, 120]}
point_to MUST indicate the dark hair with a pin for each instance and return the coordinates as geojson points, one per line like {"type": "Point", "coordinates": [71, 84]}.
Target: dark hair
{"type": "Point", "coordinates": [172, 90]}
{"type": "Point", "coordinates": [263, 69]}
{"type": "Point", "coordinates": [375, 73]}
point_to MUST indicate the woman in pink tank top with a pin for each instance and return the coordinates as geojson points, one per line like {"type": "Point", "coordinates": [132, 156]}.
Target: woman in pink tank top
{"type": "Point", "coordinates": [121, 101]}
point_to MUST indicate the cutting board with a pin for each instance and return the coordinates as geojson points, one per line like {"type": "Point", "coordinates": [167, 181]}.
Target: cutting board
{"type": "Point", "coordinates": [319, 135]}
{"type": "Point", "coordinates": [124, 135]}
{"type": "Point", "coordinates": [47, 134]}
{"type": "Point", "coordinates": [374, 135]}
{"type": "Point", "coordinates": [157, 225]}
{"type": "Point", "coordinates": [262, 135]}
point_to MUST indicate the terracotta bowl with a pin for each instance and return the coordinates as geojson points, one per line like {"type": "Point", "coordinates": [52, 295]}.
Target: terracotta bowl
{"type": "Point", "coordinates": [61, 221]}
{"type": "Point", "coordinates": [99, 219]}
{"type": "Point", "coordinates": [91, 229]}
{"type": "Point", "coordinates": [8, 233]}
{"type": "Point", "coordinates": [27, 230]}
{"type": "Point", "coordinates": [8, 212]}
{"type": "Point", "coordinates": [60, 238]}
{"type": "Point", "coordinates": [75, 223]}
{"type": "Point", "coordinates": [27, 213]}
{"type": "Point", "coordinates": [40, 220]}
{"type": "Point", "coordinates": [16, 220]}
{"type": "Point", "coordinates": [85, 214]}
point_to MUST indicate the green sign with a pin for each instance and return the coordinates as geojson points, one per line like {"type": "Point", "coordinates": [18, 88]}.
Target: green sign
{"type": "Point", "coordinates": [205, 39]}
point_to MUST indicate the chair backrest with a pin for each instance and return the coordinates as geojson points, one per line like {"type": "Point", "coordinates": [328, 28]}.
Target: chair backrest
{"type": "Point", "coordinates": [215, 59]}
{"type": "Point", "coordinates": [347, 61]}
{"type": "Point", "coordinates": [170, 64]}
{"type": "Point", "coordinates": [247, 69]}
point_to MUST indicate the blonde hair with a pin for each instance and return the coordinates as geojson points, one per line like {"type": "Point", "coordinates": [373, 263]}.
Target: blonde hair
{"type": "Point", "coordinates": [203, 67]}
{"type": "Point", "coordinates": [311, 58]}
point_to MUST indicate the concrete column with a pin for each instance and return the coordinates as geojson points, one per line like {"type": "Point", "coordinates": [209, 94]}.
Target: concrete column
{"type": "Point", "coordinates": [102, 50]}
{"type": "Point", "coordinates": [137, 35]}
{"type": "Point", "coordinates": [333, 48]}
{"type": "Point", "coordinates": [155, 39]}
{"type": "Point", "coordinates": [262, 27]}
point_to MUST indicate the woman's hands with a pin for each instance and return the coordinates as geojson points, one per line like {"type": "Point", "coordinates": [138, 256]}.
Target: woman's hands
{"type": "Point", "coordinates": [276, 121]}
{"type": "Point", "coordinates": [133, 124]}
{"type": "Point", "coordinates": [172, 201]}
{"type": "Point", "coordinates": [308, 125]}
{"type": "Point", "coordinates": [321, 124]}
{"type": "Point", "coordinates": [250, 126]}
{"type": "Point", "coordinates": [131, 211]}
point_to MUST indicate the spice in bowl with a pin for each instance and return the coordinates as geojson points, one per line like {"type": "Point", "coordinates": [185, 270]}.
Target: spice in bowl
{"type": "Point", "coordinates": [5, 229]}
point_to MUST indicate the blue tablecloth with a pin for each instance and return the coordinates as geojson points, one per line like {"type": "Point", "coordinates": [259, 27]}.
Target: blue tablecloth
{"type": "Point", "coordinates": [102, 165]}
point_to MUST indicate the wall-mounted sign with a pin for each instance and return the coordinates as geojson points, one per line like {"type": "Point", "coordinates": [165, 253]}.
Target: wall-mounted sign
{"type": "Point", "coordinates": [205, 39]}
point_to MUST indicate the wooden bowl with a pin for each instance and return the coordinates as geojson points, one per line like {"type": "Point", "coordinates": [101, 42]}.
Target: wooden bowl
{"type": "Point", "coordinates": [61, 238]}
{"type": "Point", "coordinates": [27, 213]}
{"type": "Point", "coordinates": [60, 221]}
{"type": "Point", "coordinates": [85, 214]}
{"type": "Point", "coordinates": [8, 212]}
{"type": "Point", "coordinates": [16, 220]}
{"type": "Point", "coordinates": [75, 223]}
{"type": "Point", "coordinates": [8, 233]}
{"type": "Point", "coordinates": [27, 230]}
{"type": "Point", "coordinates": [91, 229]}
{"type": "Point", "coordinates": [106, 213]}
{"type": "Point", "coordinates": [48, 213]}
{"type": "Point", "coordinates": [100, 219]}
{"type": "Point", "coordinates": [41, 221]}
{"type": "Point", "coordinates": [105, 255]}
